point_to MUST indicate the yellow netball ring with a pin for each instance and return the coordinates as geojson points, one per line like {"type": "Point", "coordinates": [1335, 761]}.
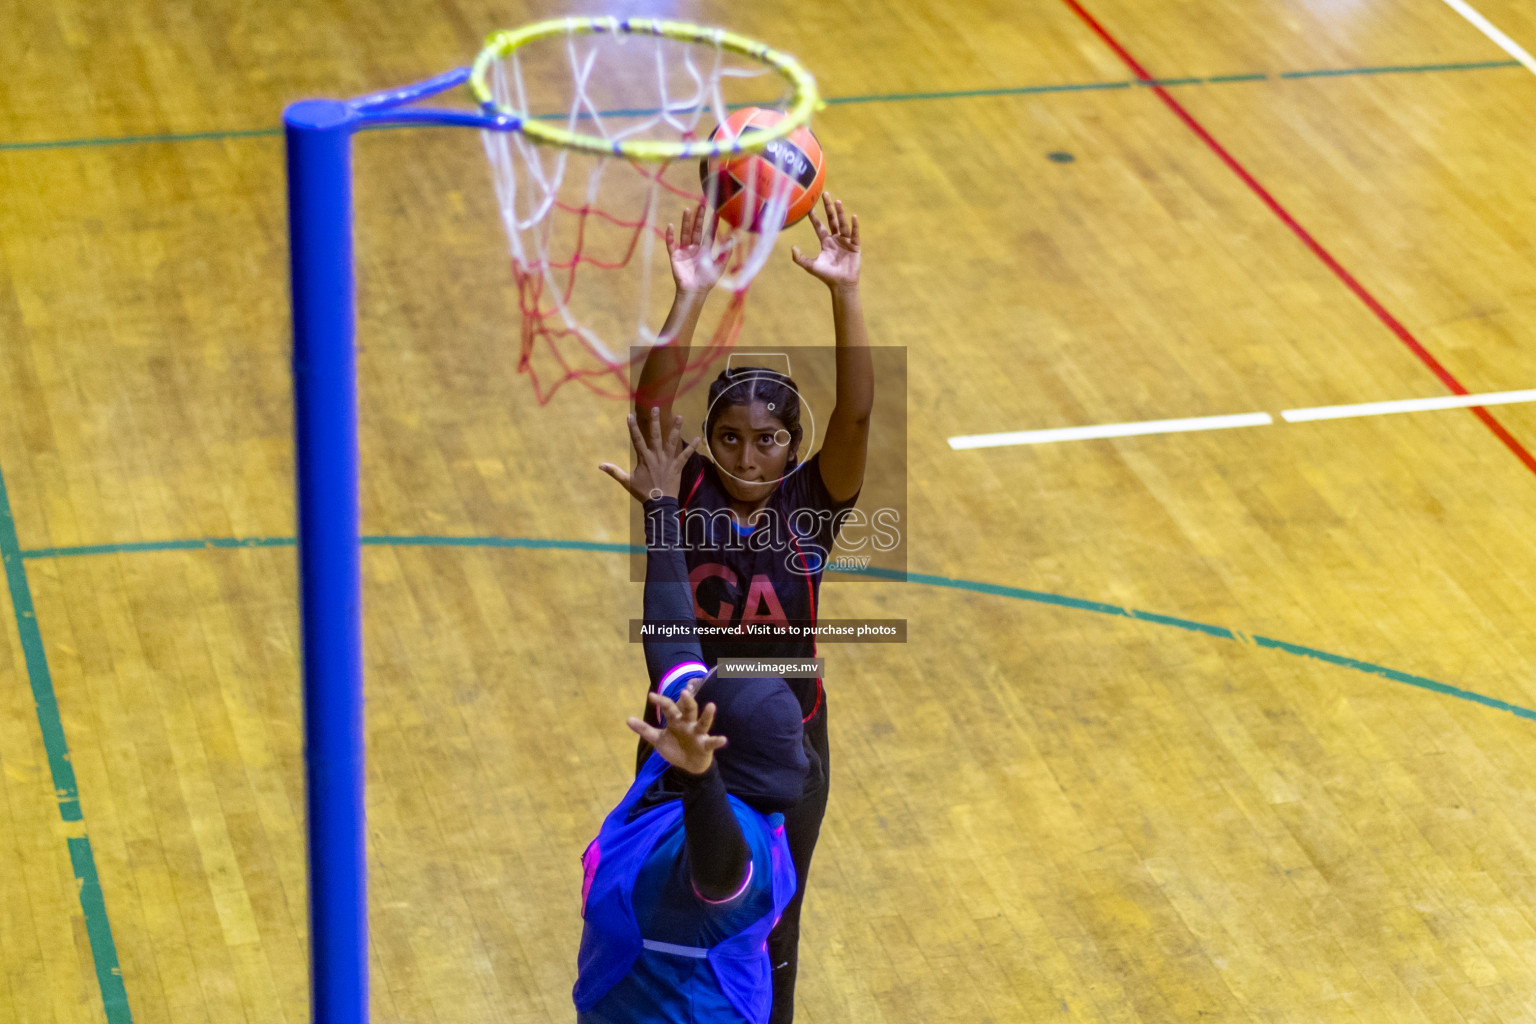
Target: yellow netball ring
{"type": "Point", "coordinates": [502, 44]}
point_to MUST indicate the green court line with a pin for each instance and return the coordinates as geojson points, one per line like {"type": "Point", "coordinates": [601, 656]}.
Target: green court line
{"type": "Point", "coordinates": [965, 94]}
{"type": "Point", "coordinates": [160, 545]}
{"type": "Point", "coordinates": [109, 977]}
{"type": "Point", "coordinates": [924, 579]}
{"type": "Point", "coordinates": [1395, 676]}
{"type": "Point", "coordinates": [32, 651]}
{"type": "Point", "coordinates": [109, 980]}
{"type": "Point", "coordinates": [833, 101]}
{"type": "Point", "coordinates": [1402, 69]}
{"type": "Point", "coordinates": [393, 540]}
{"type": "Point", "coordinates": [408, 540]}
{"type": "Point", "coordinates": [1039, 597]}
{"type": "Point", "coordinates": [128, 140]}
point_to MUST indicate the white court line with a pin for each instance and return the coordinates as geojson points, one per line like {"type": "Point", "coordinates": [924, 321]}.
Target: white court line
{"type": "Point", "coordinates": [1488, 29]}
{"type": "Point", "coordinates": [1338, 412]}
{"type": "Point", "coordinates": [1247, 419]}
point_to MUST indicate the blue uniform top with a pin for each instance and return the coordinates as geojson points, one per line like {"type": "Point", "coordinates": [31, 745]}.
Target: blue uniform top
{"type": "Point", "coordinates": [653, 949]}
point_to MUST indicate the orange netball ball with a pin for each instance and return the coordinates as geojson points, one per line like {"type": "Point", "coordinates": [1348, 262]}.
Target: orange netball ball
{"type": "Point", "coordinates": [742, 185]}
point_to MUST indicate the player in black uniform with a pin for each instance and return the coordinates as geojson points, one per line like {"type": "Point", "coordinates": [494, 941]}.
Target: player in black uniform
{"type": "Point", "coordinates": [758, 521]}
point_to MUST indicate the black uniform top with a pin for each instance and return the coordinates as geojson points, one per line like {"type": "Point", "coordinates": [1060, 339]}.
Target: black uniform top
{"type": "Point", "coordinates": [767, 573]}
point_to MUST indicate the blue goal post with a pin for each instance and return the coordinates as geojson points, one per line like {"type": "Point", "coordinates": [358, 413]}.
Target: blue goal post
{"type": "Point", "coordinates": [319, 143]}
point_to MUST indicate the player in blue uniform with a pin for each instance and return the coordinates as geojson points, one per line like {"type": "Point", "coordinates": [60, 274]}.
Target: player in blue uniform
{"type": "Point", "coordinates": [692, 869]}
{"type": "Point", "coordinates": [758, 484]}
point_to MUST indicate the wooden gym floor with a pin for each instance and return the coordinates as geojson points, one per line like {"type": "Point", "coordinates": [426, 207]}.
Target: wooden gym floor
{"type": "Point", "coordinates": [1230, 725]}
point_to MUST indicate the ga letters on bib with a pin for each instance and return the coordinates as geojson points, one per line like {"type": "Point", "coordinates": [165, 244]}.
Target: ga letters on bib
{"type": "Point", "coordinates": [768, 573]}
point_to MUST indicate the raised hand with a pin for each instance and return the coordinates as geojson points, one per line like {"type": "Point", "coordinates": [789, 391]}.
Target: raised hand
{"type": "Point", "coordinates": [696, 266]}
{"type": "Point", "coordinates": [837, 264]}
{"type": "Point", "coordinates": [684, 739]}
{"type": "Point", "coordinates": [658, 471]}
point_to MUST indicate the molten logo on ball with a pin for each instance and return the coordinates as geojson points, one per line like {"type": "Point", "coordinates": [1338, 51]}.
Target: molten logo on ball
{"type": "Point", "coordinates": [741, 186]}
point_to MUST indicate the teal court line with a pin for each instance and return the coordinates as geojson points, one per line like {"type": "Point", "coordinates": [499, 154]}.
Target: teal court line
{"type": "Point", "coordinates": [98, 930]}
{"type": "Point", "coordinates": [129, 140]}
{"type": "Point", "coordinates": [833, 101]}
{"type": "Point", "coordinates": [923, 579]}
{"type": "Point", "coordinates": [1399, 69]}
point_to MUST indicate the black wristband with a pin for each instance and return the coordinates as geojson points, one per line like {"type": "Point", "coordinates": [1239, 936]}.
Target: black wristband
{"type": "Point", "coordinates": [688, 782]}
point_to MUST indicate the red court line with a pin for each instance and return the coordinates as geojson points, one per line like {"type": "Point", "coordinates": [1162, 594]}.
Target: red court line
{"type": "Point", "coordinates": [1392, 323]}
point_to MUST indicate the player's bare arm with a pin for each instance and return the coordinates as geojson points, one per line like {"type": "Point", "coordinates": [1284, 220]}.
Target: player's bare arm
{"type": "Point", "coordinates": [836, 265]}
{"type": "Point", "coordinates": [696, 267]}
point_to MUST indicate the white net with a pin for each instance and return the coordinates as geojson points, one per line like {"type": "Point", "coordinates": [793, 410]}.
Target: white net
{"type": "Point", "coordinates": [593, 282]}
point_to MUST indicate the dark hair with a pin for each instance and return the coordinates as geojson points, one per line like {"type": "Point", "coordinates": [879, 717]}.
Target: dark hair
{"type": "Point", "coordinates": [743, 385]}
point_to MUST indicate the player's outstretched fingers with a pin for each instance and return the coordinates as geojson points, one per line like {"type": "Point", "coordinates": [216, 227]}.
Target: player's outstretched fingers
{"type": "Point", "coordinates": [614, 471]}
{"type": "Point", "coordinates": [681, 452]}
{"type": "Point", "coordinates": [635, 437]}
{"type": "Point", "coordinates": [656, 429]}
{"type": "Point", "coordinates": [649, 733]}
{"type": "Point", "coordinates": [687, 707]}
{"type": "Point", "coordinates": [853, 234]}
{"type": "Point", "coordinates": [818, 227]}
{"type": "Point", "coordinates": [664, 706]}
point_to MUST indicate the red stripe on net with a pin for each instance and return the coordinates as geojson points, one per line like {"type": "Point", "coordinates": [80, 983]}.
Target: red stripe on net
{"type": "Point", "coordinates": [608, 377]}
{"type": "Point", "coordinates": [536, 336]}
{"type": "Point", "coordinates": [586, 210]}
{"type": "Point", "coordinates": [737, 259]}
